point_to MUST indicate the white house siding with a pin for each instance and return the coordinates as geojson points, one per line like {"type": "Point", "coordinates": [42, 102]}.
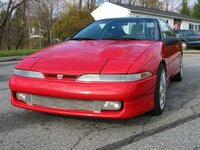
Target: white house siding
{"type": "Point", "coordinates": [170, 21]}
{"type": "Point", "coordinates": [190, 25]}
{"type": "Point", "coordinates": [109, 10]}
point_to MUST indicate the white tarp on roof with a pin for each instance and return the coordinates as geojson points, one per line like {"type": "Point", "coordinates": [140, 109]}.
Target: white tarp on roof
{"type": "Point", "coordinates": [109, 10]}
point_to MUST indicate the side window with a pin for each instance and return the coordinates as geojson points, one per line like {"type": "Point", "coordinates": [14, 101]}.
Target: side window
{"type": "Point", "coordinates": [165, 29]}
{"type": "Point", "coordinates": [187, 33]}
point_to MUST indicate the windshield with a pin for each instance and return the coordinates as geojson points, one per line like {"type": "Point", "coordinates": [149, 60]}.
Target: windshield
{"type": "Point", "coordinates": [120, 29]}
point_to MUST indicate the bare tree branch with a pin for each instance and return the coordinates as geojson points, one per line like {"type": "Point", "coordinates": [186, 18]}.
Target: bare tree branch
{"type": "Point", "coordinates": [11, 6]}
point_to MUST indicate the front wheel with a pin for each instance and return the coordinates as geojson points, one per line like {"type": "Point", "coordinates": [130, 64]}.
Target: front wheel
{"type": "Point", "coordinates": [160, 91]}
{"type": "Point", "coordinates": [179, 76]}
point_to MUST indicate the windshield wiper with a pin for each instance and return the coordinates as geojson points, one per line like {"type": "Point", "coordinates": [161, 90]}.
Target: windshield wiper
{"type": "Point", "coordinates": [83, 38]}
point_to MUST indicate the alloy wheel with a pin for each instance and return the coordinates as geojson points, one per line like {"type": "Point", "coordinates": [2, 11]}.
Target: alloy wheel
{"type": "Point", "coordinates": [181, 66]}
{"type": "Point", "coordinates": [163, 89]}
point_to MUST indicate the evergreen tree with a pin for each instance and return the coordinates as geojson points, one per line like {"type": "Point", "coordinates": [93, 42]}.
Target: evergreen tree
{"type": "Point", "coordinates": [185, 8]}
{"type": "Point", "coordinates": [196, 10]}
{"type": "Point", "coordinates": [70, 23]}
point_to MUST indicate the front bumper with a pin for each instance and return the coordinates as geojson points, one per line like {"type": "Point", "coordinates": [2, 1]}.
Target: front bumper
{"type": "Point", "coordinates": [137, 97]}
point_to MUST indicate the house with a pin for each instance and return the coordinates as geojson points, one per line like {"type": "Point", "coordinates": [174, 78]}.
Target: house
{"type": "Point", "coordinates": [175, 20]}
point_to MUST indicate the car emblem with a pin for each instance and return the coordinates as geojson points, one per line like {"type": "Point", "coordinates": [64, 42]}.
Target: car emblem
{"type": "Point", "coordinates": [59, 76]}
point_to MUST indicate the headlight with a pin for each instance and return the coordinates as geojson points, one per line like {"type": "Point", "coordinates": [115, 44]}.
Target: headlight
{"type": "Point", "coordinates": [30, 74]}
{"type": "Point", "coordinates": [114, 78]}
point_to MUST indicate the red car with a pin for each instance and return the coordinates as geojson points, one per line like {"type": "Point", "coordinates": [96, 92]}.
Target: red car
{"type": "Point", "coordinates": [113, 68]}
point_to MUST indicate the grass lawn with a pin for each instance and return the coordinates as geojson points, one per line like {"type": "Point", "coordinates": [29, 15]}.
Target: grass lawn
{"type": "Point", "coordinates": [19, 52]}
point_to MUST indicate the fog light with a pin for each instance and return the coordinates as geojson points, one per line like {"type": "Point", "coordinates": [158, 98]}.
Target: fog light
{"type": "Point", "coordinates": [24, 97]}
{"type": "Point", "coordinates": [111, 105]}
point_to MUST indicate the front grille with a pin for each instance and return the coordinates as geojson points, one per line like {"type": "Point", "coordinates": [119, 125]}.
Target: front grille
{"type": "Point", "coordinates": [68, 104]}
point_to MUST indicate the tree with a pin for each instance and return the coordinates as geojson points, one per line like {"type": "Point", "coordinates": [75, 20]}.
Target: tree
{"type": "Point", "coordinates": [196, 10]}
{"type": "Point", "coordinates": [70, 23]}
{"type": "Point", "coordinates": [185, 10]}
{"type": "Point", "coordinates": [171, 5]}
{"type": "Point", "coordinates": [44, 10]}
{"type": "Point", "coordinates": [151, 4]}
{"type": "Point", "coordinates": [20, 26]}
{"type": "Point", "coordinates": [90, 5]}
{"type": "Point", "coordinates": [7, 9]}
{"type": "Point", "coordinates": [132, 2]}
{"type": "Point", "coordinates": [80, 5]}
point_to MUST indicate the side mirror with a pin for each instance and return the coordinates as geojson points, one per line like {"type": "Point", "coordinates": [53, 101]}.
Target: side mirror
{"type": "Point", "coordinates": [68, 38]}
{"type": "Point", "coordinates": [171, 41]}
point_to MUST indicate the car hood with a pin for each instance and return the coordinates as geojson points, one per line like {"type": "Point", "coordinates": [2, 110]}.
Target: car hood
{"type": "Point", "coordinates": [81, 57]}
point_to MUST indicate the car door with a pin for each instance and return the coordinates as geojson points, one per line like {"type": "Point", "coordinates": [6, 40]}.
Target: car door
{"type": "Point", "coordinates": [188, 36]}
{"type": "Point", "coordinates": [172, 51]}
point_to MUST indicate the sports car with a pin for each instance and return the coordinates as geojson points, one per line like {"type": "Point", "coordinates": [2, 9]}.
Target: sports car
{"type": "Point", "coordinates": [113, 68]}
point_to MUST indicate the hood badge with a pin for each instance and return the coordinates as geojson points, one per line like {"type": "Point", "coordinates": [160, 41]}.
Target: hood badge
{"type": "Point", "coordinates": [59, 76]}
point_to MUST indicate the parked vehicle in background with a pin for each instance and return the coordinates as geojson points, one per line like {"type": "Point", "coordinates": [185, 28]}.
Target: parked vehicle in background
{"type": "Point", "coordinates": [189, 38]}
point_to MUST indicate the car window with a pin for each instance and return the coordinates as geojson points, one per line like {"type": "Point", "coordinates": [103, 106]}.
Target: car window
{"type": "Point", "coordinates": [186, 33]}
{"type": "Point", "coordinates": [166, 30]}
{"type": "Point", "coordinates": [197, 33]}
{"type": "Point", "coordinates": [93, 31]}
{"type": "Point", "coordinates": [121, 29]}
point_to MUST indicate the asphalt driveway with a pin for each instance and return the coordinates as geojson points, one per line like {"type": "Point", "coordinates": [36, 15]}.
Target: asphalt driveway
{"type": "Point", "coordinates": [22, 129]}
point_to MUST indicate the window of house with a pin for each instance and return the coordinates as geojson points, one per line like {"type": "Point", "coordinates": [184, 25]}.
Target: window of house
{"type": "Point", "coordinates": [196, 27]}
{"type": "Point", "coordinates": [191, 26]}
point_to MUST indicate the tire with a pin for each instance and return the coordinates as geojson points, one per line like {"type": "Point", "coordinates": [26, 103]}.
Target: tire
{"type": "Point", "coordinates": [160, 96]}
{"type": "Point", "coordinates": [184, 45]}
{"type": "Point", "coordinates": [179, 76]}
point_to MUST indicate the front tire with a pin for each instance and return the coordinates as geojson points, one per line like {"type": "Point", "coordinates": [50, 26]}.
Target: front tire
{"type": "Point", "coordinates": [179, 76]}
{"type": "Point", "coordinates": [160, 91]}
